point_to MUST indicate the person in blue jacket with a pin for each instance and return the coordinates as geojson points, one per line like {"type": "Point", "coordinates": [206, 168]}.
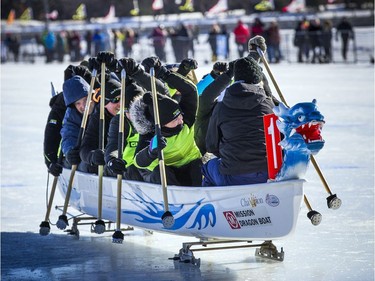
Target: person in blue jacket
{"type": "Point", "coordinates": [75, 92]}
{"type": "Point", "coordinates": [52, 136]}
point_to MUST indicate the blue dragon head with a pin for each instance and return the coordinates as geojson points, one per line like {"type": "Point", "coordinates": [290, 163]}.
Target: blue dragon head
{"type": "Point", "coordinates": [301, 126]}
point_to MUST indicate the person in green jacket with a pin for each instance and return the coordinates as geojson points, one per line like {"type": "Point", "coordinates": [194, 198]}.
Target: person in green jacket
{"type": "Point", "coordinates": [182, 157]}
{"type": "Point", "coordinates": [124, 166]}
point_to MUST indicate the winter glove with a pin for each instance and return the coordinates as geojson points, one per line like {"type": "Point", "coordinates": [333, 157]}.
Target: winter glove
{"type": "Point", "coordinates": [253, 44]}
{"type": "Point", "coordinates": [156, 144]}
{"type": "Point", "coordinates": [94, 64]}
{"type": "Point", "coordinates": [162, 73]}
{"type": "Point", "coordinates": [55, 169]}
{"type": "Point", "coordinates": [73, 156]}
{"type": "Point", "coordinates": [116, 166]}
{"type": "Point", "coordinates": [69, 72]}
{"type": "Point", "coordinates": [109, 59]}
{"type": "Point", "coordinates": [97, 157]}
{"type": "Point", "coordinates": [220, 66]}
{"type": "Point", "coordinates": [79, 70]}
{"type": "Point", "coordinates": [130, 65]}
{"type": "Point", "coordinates": [186, 65]}
{"type": "Point", "coordinates": [151, 62]}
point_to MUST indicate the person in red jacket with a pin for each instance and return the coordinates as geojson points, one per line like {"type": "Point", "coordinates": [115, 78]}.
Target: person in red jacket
{"type": "Point", "coordinates": [257, 28]}
{"type": "Point", "coordinates": [241, 36]}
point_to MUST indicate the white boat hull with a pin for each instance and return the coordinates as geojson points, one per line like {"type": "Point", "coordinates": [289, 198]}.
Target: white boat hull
{"type": "Point", "coordinates": [251, 212]}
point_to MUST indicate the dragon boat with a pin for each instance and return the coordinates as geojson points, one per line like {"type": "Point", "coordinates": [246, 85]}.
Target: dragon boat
{"type": "Point", "coordinates": [242, 213]}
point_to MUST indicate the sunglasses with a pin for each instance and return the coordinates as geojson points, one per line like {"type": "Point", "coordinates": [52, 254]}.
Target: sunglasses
{"type": "Point", "coordinates": [114, 100]}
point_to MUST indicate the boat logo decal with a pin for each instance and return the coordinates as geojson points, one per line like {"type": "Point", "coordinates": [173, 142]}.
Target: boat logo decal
{"type": "Point", "coordinates": [272, 200]}
{"type": "Point", "coordinates": [247, 217]}
{"type": "Point", "coordinates": [251, 201]}
{"type": "Point", "coordinates": [231, 218]}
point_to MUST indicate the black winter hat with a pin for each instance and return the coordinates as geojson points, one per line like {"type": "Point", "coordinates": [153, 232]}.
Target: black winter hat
{"type": "Point", "coordinates": [131, 91]}
{"type": "Point", "coordinates": [248, 70]}
{"type": "Point", "coordinates": [112, 90]}
{"type": "Point", "coordinates": [168, 108]}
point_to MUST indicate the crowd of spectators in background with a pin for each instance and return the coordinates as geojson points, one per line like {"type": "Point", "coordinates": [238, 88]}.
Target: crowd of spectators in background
{"type": "Point", "coordinates": [312, 39]}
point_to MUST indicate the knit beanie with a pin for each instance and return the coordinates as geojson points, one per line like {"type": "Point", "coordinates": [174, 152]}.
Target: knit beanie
{"type": "Point", "coordinates": [74, 89]}
{"type": "Point", "coordinates": [248, 70]}
{"type": "Point", "coordinates": [112, 89]}
{"type": "Point", "coordinates": [168, 108]}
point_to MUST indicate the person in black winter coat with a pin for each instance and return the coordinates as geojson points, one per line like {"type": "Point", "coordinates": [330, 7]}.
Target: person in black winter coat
{"type": "Point", "coordinates": [208, 99]}
{"type": "Point", "coordinates": [301, 40]}
{"type": "Point", "coordinates": [235, 132]}
{"type": "Point", "coordinates": [52, 135]}
{"type": "Point", "coordinates": [89, 152]}
{"type": "Point", "coordinates": [315, 36]}
{"type": "Point", "coordinates": [223, 74]}
{"type": "Point", "coordinates": [345, 29]}
{"type": "Point", "coordinates": [212, 40]}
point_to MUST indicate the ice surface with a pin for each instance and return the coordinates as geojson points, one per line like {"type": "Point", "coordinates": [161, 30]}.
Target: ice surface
{"type": "Point", "coordinates": [340, 248]}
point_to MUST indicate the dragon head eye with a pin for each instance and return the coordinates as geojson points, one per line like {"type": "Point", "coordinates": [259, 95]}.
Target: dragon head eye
{"type": "Point", "coordinates": [301, 118]}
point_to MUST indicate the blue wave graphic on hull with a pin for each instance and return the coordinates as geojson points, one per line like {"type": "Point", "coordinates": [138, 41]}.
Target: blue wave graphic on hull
{"type": "Point", "coordinates": [151, 212]}
{"type": "Point", "coordinates": [205, 213]}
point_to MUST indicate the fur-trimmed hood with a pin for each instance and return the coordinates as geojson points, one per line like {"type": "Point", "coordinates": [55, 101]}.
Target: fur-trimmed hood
{"type": "Point", "coordinates": [140, 116]}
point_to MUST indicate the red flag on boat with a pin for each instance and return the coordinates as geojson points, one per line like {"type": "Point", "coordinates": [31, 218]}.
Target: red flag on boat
{"type": "Point", "coordinates": [274, 153]}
